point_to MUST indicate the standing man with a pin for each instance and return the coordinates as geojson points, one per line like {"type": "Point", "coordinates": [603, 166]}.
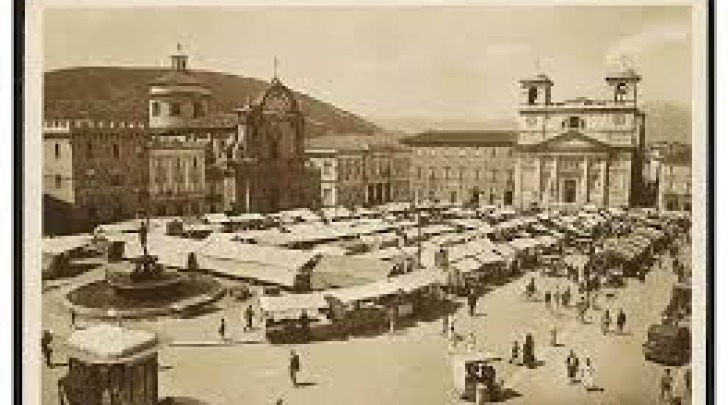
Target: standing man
{"type": "Point", "coordinates": [621, 320]}
{"type": "Point", "coordinates": [45, 345]}
{"type": "Point", "coordinates": [221, 329]}
{"type": "Point", "coordinates": [515, 353]}
{"type": "Point", "coordinates": [249, 314]}
{"type": "Point", "coordinates": [566, 297]}
{"type": "Point", "coordinates": [547, 299]}
{"type": "Point", "coordinates": [572, 366]}
{"type": "Point", "coordinates": [606, 321]}
{"type": "Point", "coordinates": [445, 324]}
{"type": "Point", "coordinates": [666, 385]}
{"type": "Point", "coordinates": [472, 301]}
{"type": "Point", "coordinates": [304, 320]}
{"type": "Point", "coordinates": [294, 366]}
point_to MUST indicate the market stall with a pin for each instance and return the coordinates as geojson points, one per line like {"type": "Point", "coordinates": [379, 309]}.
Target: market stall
{"type": "Point", "coordinates": [111, 365]}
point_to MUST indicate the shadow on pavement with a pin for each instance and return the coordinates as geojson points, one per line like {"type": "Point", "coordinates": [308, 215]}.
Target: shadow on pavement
{"type": "Point", "coordinates": [182, 401]}
{"type": "Point", "coordinates": [507, 394]}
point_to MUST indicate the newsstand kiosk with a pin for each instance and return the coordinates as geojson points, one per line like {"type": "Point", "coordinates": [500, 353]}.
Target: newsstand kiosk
{"type": "Point", "coordinates": [110, 365]}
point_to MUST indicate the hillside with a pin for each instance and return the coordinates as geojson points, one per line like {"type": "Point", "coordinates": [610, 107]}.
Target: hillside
{"type": "Point", "coordinates": [119, 93]}
{"type": "Point", "coordinates": [666, 122]}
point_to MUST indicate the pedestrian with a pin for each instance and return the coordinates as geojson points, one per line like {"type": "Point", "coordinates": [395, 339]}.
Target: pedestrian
{"type": "Point", "coordinates": [547, 299]}
{"type": "Point", "coordinates": [453, 338]}
{"type": "Point", "coordinates": [557, 297]}
{"type": "Point", "coordinates": [221, 329]}
{"type": "Point", "coordinates": [472, 301]}
{"type": "Point", "coordinates": [621, 320]}
{"type": "Point", "coordinates": [73, 319]}
{"type": "Point", "coordinates": [529, 357]}
{"type": "Point", "coordinates": [666, 385]}
{"type": "Point", "coordinates": [304, 321]}
{"type": "Point", "coordinates": [294, 366]}
{"type": "Point", "coordinates": [554, 340]}
{"type": "Point", "coordinates": [515, 353]}
{"type": "Point", "coordinates": [688, 383]}
{"type": "Point", "coordinates": [445, 324]}
{"type": "Point", "coordinates": [471, 342]}
{"type": "Point", "coordinates": [572, 366]}
{"type": "Point", "coordinates": [392, 314]}
{"type": "Point", "coordinates": [582, 307]}
{"type": "Point", "coordinates": [606, 321]}
{"type": "Point", "coordinates": [249, 314]}
{"type": "Point", "coordinates": [45, 345]}
{"type": "Point", "coordinates": [566, 297]}
{"type": "Point", "coordinates": [587, 376]}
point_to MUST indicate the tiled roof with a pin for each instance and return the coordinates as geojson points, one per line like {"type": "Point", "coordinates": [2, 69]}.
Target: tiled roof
{"type": "Point", "coordinates": [175, 77]}
{"type": "Point", "coordinates": [505, 137]}
{"type": "Point", "coordinates": [682, 156]}
{"type": "Point", "coordinates": [214, 120]}
{"type": "Point", "coordinates": [351, 142]}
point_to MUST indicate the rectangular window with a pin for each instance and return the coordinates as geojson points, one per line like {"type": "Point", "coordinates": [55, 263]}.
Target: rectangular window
{"type": "Point", "coordinates": [477, 174]}
{"type": "Point", "coordinates": [155, 109]}
{"type": "Point", "coordinates": [58, 151]}
{"type": "Point", "coordinates": [58, 180]}
{"type": "Point", "coordinates": [89, 150]}
{"type": "Point", "coordinates": [175, 109]}
{"type": "Point", "coordinates": [115, 150]}
{"type": "Point", "coordinates": [619, 119]}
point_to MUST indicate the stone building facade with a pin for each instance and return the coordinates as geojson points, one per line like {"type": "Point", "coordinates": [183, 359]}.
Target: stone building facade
{"type": "Point", "coordinates": [184, 161]}
{"type": "Point", "coordinates": [675, 179]}
{"type": "Point", "coordinates": [359, 170]}
{"type": "Point", "coordinates": [579, 152]}
{"type": "Point", "coordinates": [93, 172]}
{"type": "Point", "coordinates": [463, 167]}
{"type": "Point", "coordinates": [268, 155]}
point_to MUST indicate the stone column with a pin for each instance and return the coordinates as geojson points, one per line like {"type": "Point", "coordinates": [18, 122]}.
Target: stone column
{"type": "Point", "coordinates": [603, 181]}
{"type": "Point", "coordinates": [585, 182]}
{"type": "Point", "coordinates": [553, 183]}
{"type": "Point", "coordinates": [537, 186]}
{"type": "Point", "coordinates": [517, 193]}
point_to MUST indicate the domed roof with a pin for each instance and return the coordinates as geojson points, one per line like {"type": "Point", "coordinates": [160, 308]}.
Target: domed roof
{"type": "Point", "coordinates": [539, 78]}
{"type": "Point", "coordinates": [625, 73]}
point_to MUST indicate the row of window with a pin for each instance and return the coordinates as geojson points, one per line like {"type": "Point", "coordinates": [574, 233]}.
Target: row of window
{"type": "Point", "coordinates": [465, 151]}
{"type": "Point", "coordinates": [90, 149]}
{"type": "Point", "coordinates": [575, 122]}
{"type": "Point", "coordinates": [175, 109]}
{"type": "Point", "coordinates": [462, 173]}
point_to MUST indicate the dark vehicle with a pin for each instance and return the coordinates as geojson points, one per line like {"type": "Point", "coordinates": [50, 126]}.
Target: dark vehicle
{"type": "Point", "coordinates": [668, 344]}
{"type": "Point", "coordinates": [679, 307]}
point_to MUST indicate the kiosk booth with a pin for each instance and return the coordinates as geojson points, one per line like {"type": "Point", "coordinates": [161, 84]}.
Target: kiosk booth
{"type": "Point", "coordinates": [110, 365]}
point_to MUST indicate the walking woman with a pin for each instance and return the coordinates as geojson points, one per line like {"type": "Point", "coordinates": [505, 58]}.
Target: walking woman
{"type": "Point", "coordinates": [587, 376]}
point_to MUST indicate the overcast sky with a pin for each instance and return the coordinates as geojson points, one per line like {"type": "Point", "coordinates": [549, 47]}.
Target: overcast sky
{"type": "Point", "coordinates": [433, 62]}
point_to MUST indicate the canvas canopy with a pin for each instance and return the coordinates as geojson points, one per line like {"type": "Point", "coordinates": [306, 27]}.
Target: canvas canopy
{"type": "Point", "coordinates": [62, 244]}
{"type": "Point", "coordinates": [408, 282]}
{"type": "Point", "coordinates": [104, 343]}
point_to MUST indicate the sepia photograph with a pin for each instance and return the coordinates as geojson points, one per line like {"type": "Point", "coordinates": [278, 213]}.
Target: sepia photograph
{"type": "Point", "coordinates": [414, 204]}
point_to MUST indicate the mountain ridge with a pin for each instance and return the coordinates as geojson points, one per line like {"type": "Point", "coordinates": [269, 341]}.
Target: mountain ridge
{"type": "Point", "coordinates": [120, 93]}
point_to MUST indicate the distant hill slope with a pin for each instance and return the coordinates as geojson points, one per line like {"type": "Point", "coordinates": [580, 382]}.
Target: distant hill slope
{"type": "Point", "coordinates": [666, 122]}
{"type": "Point", "coordinates": [120, 93]}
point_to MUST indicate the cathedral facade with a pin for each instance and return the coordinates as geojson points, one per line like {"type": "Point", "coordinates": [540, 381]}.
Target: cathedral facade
{"type": "Point", "coordinates": [580, 152]}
